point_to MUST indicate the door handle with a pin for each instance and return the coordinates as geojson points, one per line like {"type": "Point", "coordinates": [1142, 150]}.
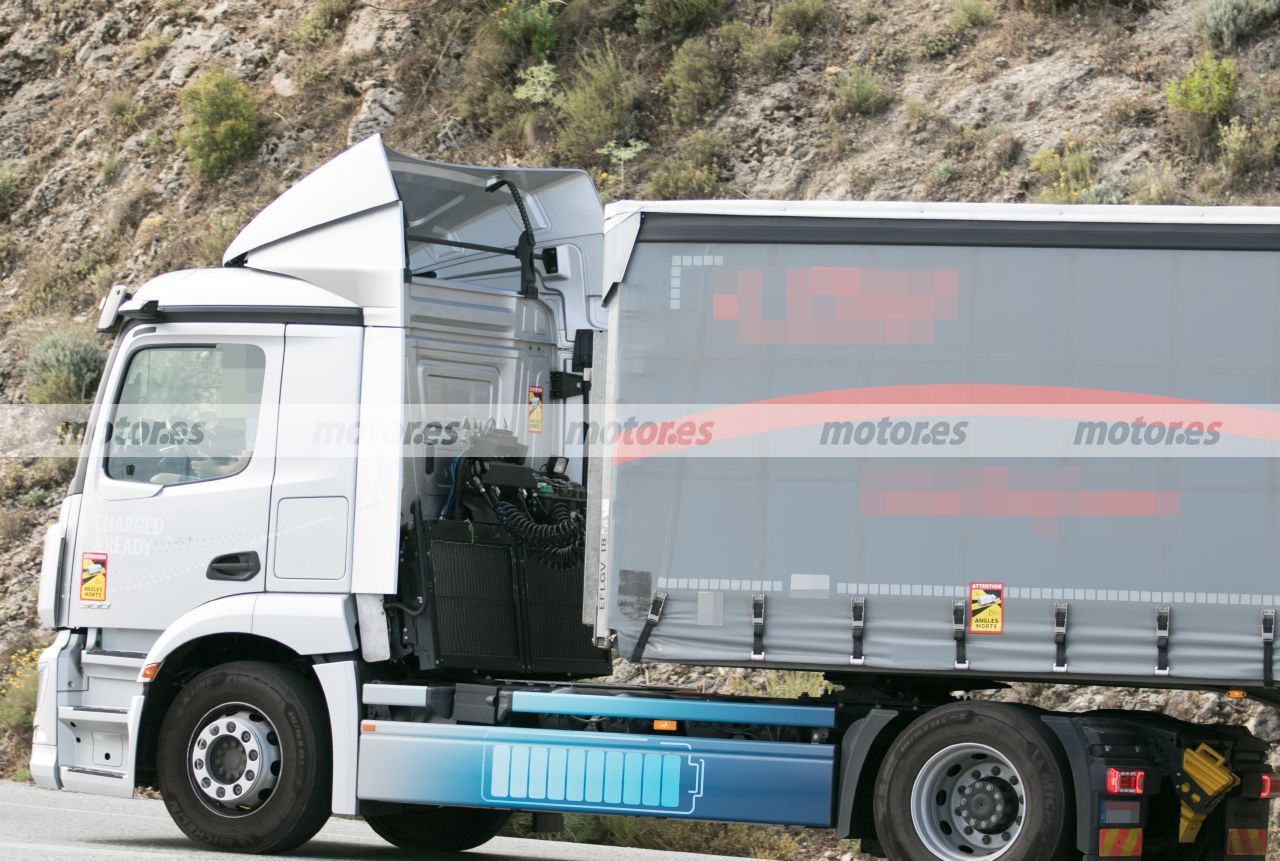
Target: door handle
{"type": "Point", "coordinates": [234, 566]}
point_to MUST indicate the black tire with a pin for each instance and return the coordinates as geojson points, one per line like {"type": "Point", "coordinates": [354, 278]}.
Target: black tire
{"type": "Point", "coordinates": [438, 829]}
{"type": "Point", "coordinates": [1039, 798]}
{"type": "Point", "coordinates": [290, 715]}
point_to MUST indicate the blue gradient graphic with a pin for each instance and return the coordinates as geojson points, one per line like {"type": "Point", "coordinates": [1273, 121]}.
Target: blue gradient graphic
{"type": "Point", "coordinates": [594, 772]}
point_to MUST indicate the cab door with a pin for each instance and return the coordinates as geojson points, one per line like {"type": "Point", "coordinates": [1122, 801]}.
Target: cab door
{"type": "Point", "coordinates": [177, 493]}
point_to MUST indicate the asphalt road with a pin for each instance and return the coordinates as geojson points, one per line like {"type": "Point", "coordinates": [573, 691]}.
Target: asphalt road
{"type": "Point", "coordinates": [41, 825]}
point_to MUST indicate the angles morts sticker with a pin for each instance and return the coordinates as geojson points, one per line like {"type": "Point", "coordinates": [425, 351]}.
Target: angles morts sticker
{"type": "Point", "coordinates": [93, 577]}
{"type": "Point", "coordinates": [986, 608]}
{"type": "Point", "coordinates": [535, 409]}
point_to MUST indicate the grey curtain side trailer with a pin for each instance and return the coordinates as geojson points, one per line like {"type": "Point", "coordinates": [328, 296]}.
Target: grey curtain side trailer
{"type": "Point", "coordinates": [1145, 557]}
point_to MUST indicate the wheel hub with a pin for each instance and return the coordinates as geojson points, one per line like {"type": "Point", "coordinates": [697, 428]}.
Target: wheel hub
{"type": "Point", "coordinates": [235, 759]}
{"type": "Point", "coordinates": [968, 802]}
{"type": "Point", "coordinates": [989, 806]}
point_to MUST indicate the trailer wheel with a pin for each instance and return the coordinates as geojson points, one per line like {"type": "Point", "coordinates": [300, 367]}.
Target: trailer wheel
{"type": "Point", "coordinates": [244, 762]}
{"type": "Point", "coordinates": [974, 780]}
{"type": "Point", "coordinates": [438, 829]}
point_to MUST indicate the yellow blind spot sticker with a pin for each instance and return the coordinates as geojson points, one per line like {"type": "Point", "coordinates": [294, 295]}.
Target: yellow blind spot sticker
{"type": "Point", "coordinates": [986, 608]}
{"type": "Point", "coordinates": [93, 577]}
{"type": "Point", "coordinates": [535, 409]}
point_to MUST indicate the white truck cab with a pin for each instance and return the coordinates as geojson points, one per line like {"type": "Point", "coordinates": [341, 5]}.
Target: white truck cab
{"type": "Point", "coordinates": [227, 508]}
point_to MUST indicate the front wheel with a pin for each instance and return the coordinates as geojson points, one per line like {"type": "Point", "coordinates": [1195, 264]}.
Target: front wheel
{"type": "Point", "coordinates": [974, 781]}
{"type": "Point", "coordinates": [438, 829]}
{"type": "Point", "coordinates": [244, 763]}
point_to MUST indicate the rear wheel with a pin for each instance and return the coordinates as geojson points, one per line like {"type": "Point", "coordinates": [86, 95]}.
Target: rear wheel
{"type": "Point", "coordinates": [974, 780]}
{"type": "Point", "coordinates": [438, 829]}
{"type": "Point", "coordinates": [243, 761]}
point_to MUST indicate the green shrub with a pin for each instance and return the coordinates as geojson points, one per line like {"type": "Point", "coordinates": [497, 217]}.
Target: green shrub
{"type": "Point", "coordinates": [53, 284]}
{"type": "Point", "coordinates": [1202, 97]}
{"type": "Point", "coordinates": [18, 689]}
{"type": "Point", "coordinates": [801, 17]}
{"type": "Point", "coordinates": [971, 13]}
{"type": "Point", "coordinates": [124, 114]}
{"type": "Point", "coordinates": [620, 155]}
{"type": "Point", "coordinates": [323, 24]}
{"type": "Point", "coordinates": [35, 497]}
{"type": "Point", "coordinates": [869, 12]}
{"type": "Point", "coordinates": [944, 172]}
{"type": "Point", "coordinates": [1157, 185]}
{"type": "Point", "coordinates": [529, 26]}
{"type": "Point", "coordinates": [857, 92]}
{"type": "Point", "coordinates": [151, 48]}
{"type": "Point", "coordinates": [63, 368]}
{"type": "Point", "coordinates": [1245, 147]}
{"type": "Point", "coordinates": [12, 177]}
{"type": "Point", "coordinates": [672, 20]}
{"type": "Point", "coordinates": [965, 15]}
{"type": "Point", "coordinates": [885, 53]}
{"type": "Point", "coordinates": [1226, 22]}
{"type": "Point", "coordinates": [918, 110]}
{"type": "Point", "coordinates": [940, 42]}
{"type": "Point", "coordinates": [694, 172]}
{"type": "Point", "coordinates": [220, 123]}
{"type": "Point", "coordinates": [1071, 176]}
{"type": "Point", "coordinates": [768, 51]}
{"type": "Point", "coordinates": [109, 170]}
{"type": "Point", "coordinates": [598, 105]}
{"type": "Point", "coordinates": [696, 80]}
{"type": "Point", "coordinates": [14, 526]}
{"type": "Point", "coordinates": [537, 84]}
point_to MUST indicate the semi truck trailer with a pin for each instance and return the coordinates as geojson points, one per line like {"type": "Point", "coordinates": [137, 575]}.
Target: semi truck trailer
{"type": "Point", "coordinates": [362, 519]}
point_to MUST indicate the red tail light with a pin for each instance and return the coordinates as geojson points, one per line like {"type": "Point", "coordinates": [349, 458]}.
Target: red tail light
{"type": "Point", "coordinates": [1125, 781]}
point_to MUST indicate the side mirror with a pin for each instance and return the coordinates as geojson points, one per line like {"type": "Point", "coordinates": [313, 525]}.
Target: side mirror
{"type": "Point", "coordinates": [583, 344]}
{"type": "Point", "coordinates": [110, 307]}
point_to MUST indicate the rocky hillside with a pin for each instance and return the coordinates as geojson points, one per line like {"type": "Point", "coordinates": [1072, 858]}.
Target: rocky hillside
{"type": "Point", "coordinates": [138, 136]}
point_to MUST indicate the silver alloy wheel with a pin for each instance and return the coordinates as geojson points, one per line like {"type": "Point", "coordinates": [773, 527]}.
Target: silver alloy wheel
{"type": "Point", "coordinates": [968, 802]}
{"type": "Point", "coordinates": [234, 759]}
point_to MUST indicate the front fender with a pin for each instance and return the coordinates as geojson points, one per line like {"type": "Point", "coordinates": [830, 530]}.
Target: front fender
{"type": "Point", "coordinates": [306, 624]}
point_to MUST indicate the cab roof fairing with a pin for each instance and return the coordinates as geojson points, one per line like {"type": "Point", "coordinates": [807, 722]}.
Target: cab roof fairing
{"type": "Point", "coordinates": [357, 224]}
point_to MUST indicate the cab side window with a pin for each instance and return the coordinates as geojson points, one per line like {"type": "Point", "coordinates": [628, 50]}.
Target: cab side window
{"type": "Point", "coordinates": [186, 413]}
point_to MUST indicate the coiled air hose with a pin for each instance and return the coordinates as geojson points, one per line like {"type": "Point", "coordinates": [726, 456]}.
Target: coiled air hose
{"type": "Point", "coordinates": [559, 544]}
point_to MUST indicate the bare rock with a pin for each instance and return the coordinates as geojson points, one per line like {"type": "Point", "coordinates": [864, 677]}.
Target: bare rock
{"type": "Point", "coordinates": [371, 30]}
{"type": "Point", "coordinates": [377, 112]}
{"type": "Point", "coordinates": [21, 62]}
{"type": "Point", "coordinates": [283, 85]}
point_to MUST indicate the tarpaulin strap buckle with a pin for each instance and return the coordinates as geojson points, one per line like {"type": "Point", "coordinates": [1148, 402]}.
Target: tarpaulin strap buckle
{"type": "Point", "coordinates": [1163, 615]}
{"type": "Point", "coordinates": [757, 627]}
{"type": "Point", "coordinates": [858, 615]}
{"type": "Point", "coordinates": [1060, 636]}
{"type": "Point", "coordinates": [958, 625]}
{"type": "Point", "coordinates": [1268, 646]}
{"type": "Point", "coordinates": [656, 607]}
